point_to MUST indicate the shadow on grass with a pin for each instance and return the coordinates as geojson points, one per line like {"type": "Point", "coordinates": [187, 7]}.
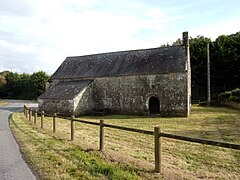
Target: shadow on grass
{"type": "Point", "coordinates": [213, 109]}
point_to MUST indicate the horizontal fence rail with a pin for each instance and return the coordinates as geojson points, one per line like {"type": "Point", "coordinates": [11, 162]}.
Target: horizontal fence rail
{"type": "Point", "coordinates": [86, 122]}
{"type": "Point", "coordinates": [129, 129]}
{"type": "Point", "coordinates": [156, 133]}
{"type": "Point", "coordinates": [201, 141]}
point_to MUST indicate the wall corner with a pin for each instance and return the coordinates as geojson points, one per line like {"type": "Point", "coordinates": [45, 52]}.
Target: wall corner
{"type": "Point", "coordinates": [188, 70]}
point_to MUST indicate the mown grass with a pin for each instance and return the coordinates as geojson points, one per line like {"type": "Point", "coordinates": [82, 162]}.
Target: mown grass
{"type": "Point", "coordinates": [181, 160]}
{"type": "Point", "coordinates": [55, 158]}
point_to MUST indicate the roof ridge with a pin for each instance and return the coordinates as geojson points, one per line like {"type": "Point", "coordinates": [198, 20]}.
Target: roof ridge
{"type": "Point", "coordinates": [124, 51]}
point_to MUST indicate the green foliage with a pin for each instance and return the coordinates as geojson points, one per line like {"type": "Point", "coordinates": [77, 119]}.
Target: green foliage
{"type": "Point", "coordinates": [225, 57]}
{"type": "Point", "coordinates": [165, 45]}
{"type": "Point", "coordinates": [177, 42]}
{"type": "Point", "coordinates": [96, 166]}
{"type": "Point", "coordinates": [233, 95]}
{"type": "Point", "coordinates": [3, 81]}
{"type": "Point", "coordinates": [224, 96]}
{"type": "Point", "coordinates": [4, 73]}
{"type": "Point", "coordinates": [22, 86]}
{"type": "Point", "coordinates": [225, 63]}
{"type": "Point", "coordinates": [236, 92]}
{"type": "Point", "coordinates": [235, 99]}
{"type": "Point", "coordinates": [38, 81]}
{"type": "Point", "coordinates": [198, 57]}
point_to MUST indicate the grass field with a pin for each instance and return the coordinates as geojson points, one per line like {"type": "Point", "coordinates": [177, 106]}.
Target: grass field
{"type": "Point", "coordinates": [132, 154]}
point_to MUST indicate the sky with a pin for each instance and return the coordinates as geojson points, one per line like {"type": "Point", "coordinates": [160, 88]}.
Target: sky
{"type": "Point", "coordinates": [39, 34]}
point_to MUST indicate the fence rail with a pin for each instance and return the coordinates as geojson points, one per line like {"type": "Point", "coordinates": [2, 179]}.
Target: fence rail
{"type": "Point", "coordinates": [156, 133]}
{"type": "Point", "coordinates": [129, 129]}
{"type": "Point", "coordinates": [202, 141]}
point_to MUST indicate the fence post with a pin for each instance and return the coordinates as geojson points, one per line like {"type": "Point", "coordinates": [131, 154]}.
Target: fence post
{"type": "Point", "coordinates": [35, 116]}
{"type": "Point", "coordinates": [27, 113]}
{"type": "Point", "coordinates": [101, 139]}
{"type": "Point", "coordinates": [24, 110]}
{"type": "Point", "coordinates": [54, 122]}
{"type": "Point", "coordinates": [42, 118]}
{"type": "Point", "coordinates": [72, 127]}
{"type": "Point", "coordinates": [157, 149]}
{"type": "Point", "coordinates": [30, 114]}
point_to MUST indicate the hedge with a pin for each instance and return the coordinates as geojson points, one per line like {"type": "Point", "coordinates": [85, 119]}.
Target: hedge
{"type": "Point", "coordinates": [224, 96]}
{"type": "Point", "coordinates": [236, 92]}
{"type": "Point", "coordinates": [234, 98]}
{"type": "Point", "coordinates": [233, 95]}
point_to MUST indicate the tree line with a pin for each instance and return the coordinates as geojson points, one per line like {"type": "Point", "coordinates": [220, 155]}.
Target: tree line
{"type": "Point", "coordinates": [224, 62]}
{"type": "Point", "coordinates": [225, 70]}
{"type": "Point", "coordinates": [22, 86]}
{"type": "Point", "coordinates": [225, 65]}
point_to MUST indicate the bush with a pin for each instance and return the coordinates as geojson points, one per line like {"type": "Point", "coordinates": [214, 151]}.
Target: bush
{"type": "Point", "coordinates": [235, 99]}
{"type": "Point", "coordinates": [236, 92]}
{"type": "Point", "coordinates": [224, 96]}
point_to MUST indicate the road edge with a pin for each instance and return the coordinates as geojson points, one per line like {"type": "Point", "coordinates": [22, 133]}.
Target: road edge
{"type": "Point", "coordinates": [26, 160]}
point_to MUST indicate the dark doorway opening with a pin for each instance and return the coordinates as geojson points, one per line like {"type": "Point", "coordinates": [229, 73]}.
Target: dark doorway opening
{"type": "Point", "coordinates": [154, 105]}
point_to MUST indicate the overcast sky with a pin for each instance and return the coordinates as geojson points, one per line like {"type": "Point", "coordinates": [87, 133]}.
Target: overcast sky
{"type": "Point", "coordinates": [39, 34]}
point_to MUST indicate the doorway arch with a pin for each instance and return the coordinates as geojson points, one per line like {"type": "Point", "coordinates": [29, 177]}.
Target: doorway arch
{"type": "Point", "coordinates": [154, 105]}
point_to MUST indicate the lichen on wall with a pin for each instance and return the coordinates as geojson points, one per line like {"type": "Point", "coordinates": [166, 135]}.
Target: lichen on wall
{"type": "Point", "coordinates": [50, 106]}
{"type": "Point", "coordinates": [129, 94]}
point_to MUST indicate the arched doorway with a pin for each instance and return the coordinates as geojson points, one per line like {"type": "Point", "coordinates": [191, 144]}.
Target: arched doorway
{"type": "Point", "coordinates": [154, 105]}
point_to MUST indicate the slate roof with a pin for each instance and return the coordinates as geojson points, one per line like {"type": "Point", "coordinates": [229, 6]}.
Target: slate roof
{"type": "Point", "coordinates": [135, 62]}
{"type": "Point", "coordinates": [65, 90]}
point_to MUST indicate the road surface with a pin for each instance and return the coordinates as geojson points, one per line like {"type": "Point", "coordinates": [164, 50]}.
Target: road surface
{"type": "Point", "coordinates": [12, 165]}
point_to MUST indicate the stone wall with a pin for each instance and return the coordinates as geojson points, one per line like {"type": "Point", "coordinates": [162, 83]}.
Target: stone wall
{"type": "Point", "coordinates": [83, 103]}
{"type": "Point", "coordinates": [130, 94]}
{"type": "Point", "coordinates": [127, 95]}
{"type": "Point", "coordinates": [64, 107]}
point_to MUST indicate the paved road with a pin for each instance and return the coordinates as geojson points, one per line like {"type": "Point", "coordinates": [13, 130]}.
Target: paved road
{"type": "Point", "coordinates": [12, 165]}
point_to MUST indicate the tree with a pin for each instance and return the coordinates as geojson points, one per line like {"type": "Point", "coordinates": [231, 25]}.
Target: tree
{"type": "Point", "coordinates": [22, 86]}
{"type": "Point", "coordinates": [177, 42]}
{"type": "Point", "coordinates": [38, 81]}
{"type": "Point", "coordinates": [226, 57]}
{"type": "Point", "coordinates": [3, 81]}
{"type": "Point", "coordinates": [198, 57]}
{"type": "Point", "coordinates": [11, 86]}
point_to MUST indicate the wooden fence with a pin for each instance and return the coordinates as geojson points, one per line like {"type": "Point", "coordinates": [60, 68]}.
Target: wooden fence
{"type": "Point", "coordinates": [28, 112]}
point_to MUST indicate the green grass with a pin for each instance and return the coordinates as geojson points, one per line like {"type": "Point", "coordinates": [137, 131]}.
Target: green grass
{"type": "Point", "coordinates": [134, 152]}
{"type": "Point", "coordinates": [55, 158]}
